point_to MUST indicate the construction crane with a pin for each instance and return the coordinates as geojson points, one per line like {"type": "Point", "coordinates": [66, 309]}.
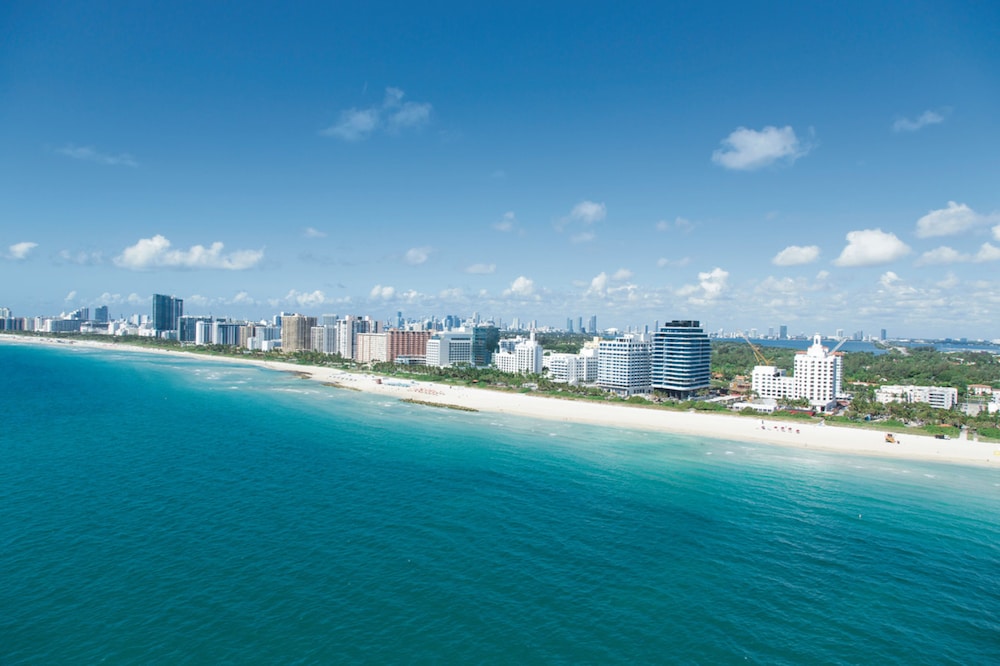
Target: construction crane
{"type": "Point", "coordinates": [757, 354]}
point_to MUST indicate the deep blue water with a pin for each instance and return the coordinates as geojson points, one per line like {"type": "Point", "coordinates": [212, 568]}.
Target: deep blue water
{"type": "Point", "coordinates": [163, 510]}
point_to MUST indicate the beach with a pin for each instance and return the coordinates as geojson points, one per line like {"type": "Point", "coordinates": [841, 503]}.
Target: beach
{"type": "Point", "coordinates": [858, 441]}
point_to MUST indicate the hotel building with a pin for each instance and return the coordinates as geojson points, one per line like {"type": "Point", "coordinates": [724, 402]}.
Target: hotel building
{"type": "Point", "coordinates": [681, 356]}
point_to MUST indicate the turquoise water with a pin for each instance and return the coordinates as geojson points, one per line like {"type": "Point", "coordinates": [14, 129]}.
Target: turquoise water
{"type": "Point", "coordinates": [164, 510]}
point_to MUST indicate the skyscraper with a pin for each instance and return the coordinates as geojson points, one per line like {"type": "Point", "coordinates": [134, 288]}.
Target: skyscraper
{"type": "Point", "coordinates": [592, 325]}
{"type": "Point", "coordinates": [166, 311]}
{"type": "Point", "coordinates": [681, 358]}
{"type": "Point", "coordinates": [296, 332]}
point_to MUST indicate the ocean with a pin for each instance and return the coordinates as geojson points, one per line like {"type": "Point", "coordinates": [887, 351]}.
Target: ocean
{"type": "Point", "coordinates": [167, 510]}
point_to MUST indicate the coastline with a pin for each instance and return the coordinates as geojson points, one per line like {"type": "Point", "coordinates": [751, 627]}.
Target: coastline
{"type": "Point", "coordinates": [855, 441]}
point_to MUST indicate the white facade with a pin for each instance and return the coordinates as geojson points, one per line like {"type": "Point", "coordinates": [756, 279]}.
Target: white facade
{"type": "Point", "coordinates": [768, 381]}
{"type": "Point", "coordinates": [521, 356]}
{"type": "Point", "coordinates": [940, 397]}
{"type": "Point", "coordinates": [324, 338]}
{"type": "Point", "coordinates": [573, 368]}
{"type": "Point", "coordinates": [449, 348]}
{"type": "Point", "coordinates": [818, 375]}
{"type": "Point", "coordinates": [624, 365]}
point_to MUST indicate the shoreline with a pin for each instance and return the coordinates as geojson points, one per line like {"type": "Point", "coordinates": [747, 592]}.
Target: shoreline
{"type": "Point", "coordinates": [837, 439]}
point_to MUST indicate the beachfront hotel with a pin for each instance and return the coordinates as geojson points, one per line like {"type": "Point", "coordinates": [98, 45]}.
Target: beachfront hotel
{"type": "Point", "coordinates": [624, 365]}
{"type": "Point", "coordinates": [681, 356]}
{"type": "Point", "coordinates": [817, 377]}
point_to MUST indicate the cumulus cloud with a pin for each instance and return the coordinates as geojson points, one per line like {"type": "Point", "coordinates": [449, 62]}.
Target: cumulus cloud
{"type": "Point", "coordinates": [746, 149]}
{"type": "Point", "coordinates": [946, 255]}
{"type": "Point", "coordinates": [599, 285]}
{"type": "Point", "coordinates": [312, 232]}
{"type": "Point", "coordinates": [870, 247]}
{"type": "Point", "coordinates": [952, 220]}
{"type": "Point", "coordinates": [19, 251]}
{"type": "Point", "coordinates": [417, 255]}
{"type": "Point", "coordinates": [796, 255]}
{"type": "Point", "coordinates": [481, 269]}
{"type": "Point", "coordinates": [942, 255]}
{"type": "Point", "coordinates": [710, 286]}
{"type": "Point", "coordinates": [90, 154]}
{"type": "Point", "coordinates": [384, 293]}
{"type": "Point", "coordinates": [622, 274]}
{"type": "Point", "coordinates": [393, 115]}
{"type": "Point", "coordinates": [306, 299]}
{"type": "Point", "coordinates": [521, 286]}
{"type": "Point", "coordinates": [924, 119]}
{"type": "Point", "coordinates": [506, 223]}
{"type": "Point", "coordinates": [156, 252]}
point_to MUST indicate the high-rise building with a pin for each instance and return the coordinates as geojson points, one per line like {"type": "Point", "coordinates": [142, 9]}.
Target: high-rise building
{"type": "Point", "coordinates": [681, 358]}
{"type": "Point", "coordinates": [569, 324]}
{"type": "Point", "coordinates": [783, 332]}
{"type": "Point", "coordinates": [818, 374]}
{"type": "Point", "coordinates": [522, 356]}
{"type": "Point", "coordinates": [296, 332]}
{"type": "Point", "coordinates": [101, 314]}
{"type": "Point", "coordinates": [412, 344]}
{"type": "Point", "coordinates": [485, 340]}
{"type": "Point", "coordinates": [449, 348]}
{"type": "Point", "coordinates": [882, 335]}
{"type": "Point", "coordinates": [592, 325]}
{"type": "Point", "coordinates": [166, 311]}
{"type": "Point", "coordinates": [623, 365]}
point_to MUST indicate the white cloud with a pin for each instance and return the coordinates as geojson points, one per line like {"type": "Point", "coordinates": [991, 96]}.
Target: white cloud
{"type": "Point", "coordinates": [710, 286]}
{"type": "Point", "coordinates": [392, 116]}
{"type": "Point", "coordinates": [70, 296]}
{"type": "Point", "coordinates": [796, 255]}
{"type": "Point", "coordinates": [354, 124]}
{"type": "Point", "coordinates": [19, 251]}
{"type": "Point", "coordinates": [481, 269]}
{"type": "Point", "coordinates": [89, 154]}
{"type": "Point", "coordinates": [588, 212]}
{"type": "Point", "coordinates": [622, 274]}
{"type": "Point", "coordinates": [452, 294]}
{"type": "Point", "coordinates": [869, 247]}
{"type": "Point", "coordinates": [521, 286]}
{"type": "Point", "coordinates": [312, 232]}
{"type": "Point", "coordinates": [417, 255]}
{"type": "Point", "coordinates": [680, 223]}
{"type": "Point", "coordinates": [583, 237]}
{"type": "Point", "coordinates": [599, 285]}
{"type": "Point", "coordinates": [987, 252]}
{"type": "Point", "coordinates": [306, 299]}
{"type": "Point", "coordinates": [996, 232]}
{"type": "Point", "coordinates": [924, 119]}
{"type": "Point", "coordinates": [155, 252]}
{"type": "Point", "coordinates": [243, 298]}
{"type": "Point", "coordinates": [747, 149]}
{"type": "Point", "coordinates": [663, 262]}
{"type": "Point", "coordinates": [384, 293]}
{"type": "Point", "coordinates": [507, 222]}
{"type": "Point", "coordinates": [82, 257]}
{"type": "Point", "coordinates": [942, 255]}
{"type": "Point", "coordinates": [410, 114]}
{"type": "Point", "coordinates": [954, 219]}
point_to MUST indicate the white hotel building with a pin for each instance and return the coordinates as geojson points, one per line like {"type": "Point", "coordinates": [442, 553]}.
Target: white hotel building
{"type": "Point", "coordinates": [817, 377]}
{"type": "Point", "coordinates": [519, 356]}
{"type": "Point", "coordinates": [624, 365]}
{"type": "Point", "coordinates": [941, 397]}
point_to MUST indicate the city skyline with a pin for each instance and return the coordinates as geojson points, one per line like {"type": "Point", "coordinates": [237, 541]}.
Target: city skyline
{"type": "Point", "coordinates": [749, 166]}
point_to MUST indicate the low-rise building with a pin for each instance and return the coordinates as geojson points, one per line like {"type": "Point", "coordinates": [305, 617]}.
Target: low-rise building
{"type": "Point", "coordinates": [940, 397]}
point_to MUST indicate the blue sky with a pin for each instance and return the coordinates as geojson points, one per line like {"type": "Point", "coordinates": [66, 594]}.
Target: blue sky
{"type": "Point", "coordinates": [817, 165]}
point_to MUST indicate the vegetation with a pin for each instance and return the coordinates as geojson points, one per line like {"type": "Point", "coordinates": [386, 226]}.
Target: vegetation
{"type": "Point", "coordinates": [863, 372]}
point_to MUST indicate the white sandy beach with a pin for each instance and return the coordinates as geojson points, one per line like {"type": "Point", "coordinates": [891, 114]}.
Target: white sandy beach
{"type": "Point", "coordinates": [716, 426]}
